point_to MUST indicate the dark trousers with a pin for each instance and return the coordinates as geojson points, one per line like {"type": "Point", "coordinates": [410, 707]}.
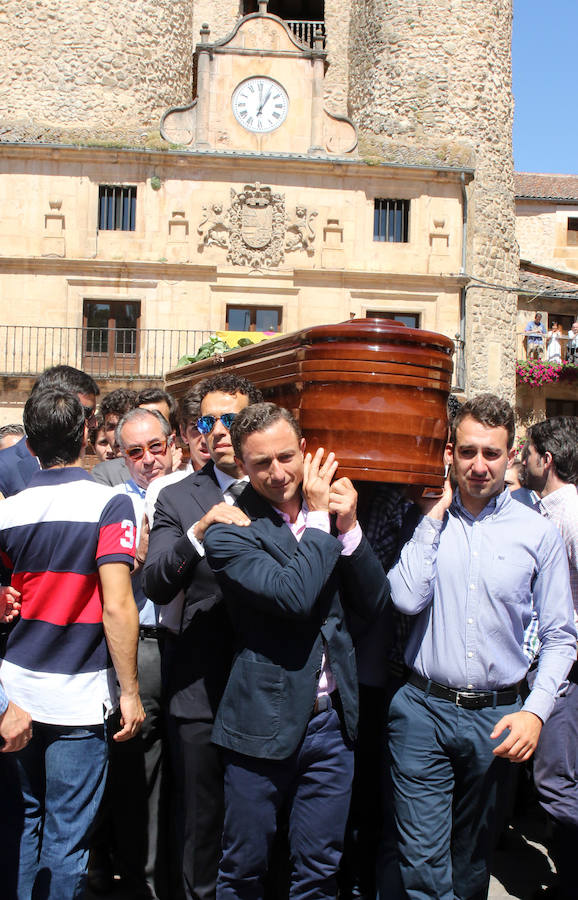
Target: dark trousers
{"type": "Point", "coordinates": [364, 825]}
{"type": "Point", "coordinates": [447, 790]}
{"type": "Point", "coordinates": [198, 783]}
{"type": "Point", "coordinates": [137, 815]}
{"type": "Point", "coordinates": [556, 778]}
{"type": "Point", "coordinates": [314, 783]}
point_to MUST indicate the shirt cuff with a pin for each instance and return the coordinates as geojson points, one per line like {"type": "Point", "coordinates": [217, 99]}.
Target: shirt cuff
{"type": "Point", "coordinates": [539, 702]}
{"type": "Point", "coordinates": [351, 540]}
{"type": "Point", "coordinates": [196, 544]}
{"type": "Point", "coordinates": [317, 518]}
{"type": "Point", "coordinates": [3, 701]}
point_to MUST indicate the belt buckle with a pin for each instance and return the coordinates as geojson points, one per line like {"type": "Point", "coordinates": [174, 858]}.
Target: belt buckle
{"type": "Point", "coordinates": [468, 695]}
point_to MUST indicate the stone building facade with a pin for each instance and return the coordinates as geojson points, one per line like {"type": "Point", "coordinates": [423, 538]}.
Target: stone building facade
{"type": "Point", "coordinates": [405, 103]}
{"type": "Point", "coordinates": [547, 231]}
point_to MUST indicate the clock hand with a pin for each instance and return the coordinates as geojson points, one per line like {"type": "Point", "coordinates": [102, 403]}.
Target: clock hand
{"type": "Point", "coordinates": [264, 102]}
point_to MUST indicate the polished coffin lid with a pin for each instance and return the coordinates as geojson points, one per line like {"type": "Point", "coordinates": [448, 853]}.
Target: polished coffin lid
{"type": "Point", "coordinates": [372, 390]}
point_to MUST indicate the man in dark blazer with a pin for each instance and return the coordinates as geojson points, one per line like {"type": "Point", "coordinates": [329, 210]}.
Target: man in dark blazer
{"type": "Point", "coordinates": [198, 642]}
{"type": "Point", "coordinates": [288, 717]}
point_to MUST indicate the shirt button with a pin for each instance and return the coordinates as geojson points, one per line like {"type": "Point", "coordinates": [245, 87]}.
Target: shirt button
{"type": "Point", "coordinates": [472, 587]}
{"type": "Point", "coordinates": [470, 654]}
{"type": "Point", "coordinates": [470, 621]}
{"type": "Point", "coordinates": [475, 553]}
{"type": "Point", "coordinates": [470, 687]}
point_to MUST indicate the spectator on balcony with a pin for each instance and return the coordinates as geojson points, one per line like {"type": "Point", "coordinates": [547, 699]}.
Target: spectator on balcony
{"type": "Point", "coordinates": [17, 463]}
{"type": "Point", "coordinates": [534, 337]}
{"type": "Point", "coordinates": [572, 345]}
{"type": "Point", "coordinates": [10, 435]}
{"type": "Point", "coordinates": [554, 340]}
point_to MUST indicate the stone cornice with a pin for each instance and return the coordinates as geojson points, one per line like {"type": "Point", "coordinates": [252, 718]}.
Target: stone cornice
{"type": "Point", "coordinates": [219, 159]}
{"type": "Point", "coordinates": [104, 268]}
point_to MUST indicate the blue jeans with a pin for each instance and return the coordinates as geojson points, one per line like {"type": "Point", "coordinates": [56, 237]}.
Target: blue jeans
{"type": "Point", "coordinates": [61, 777]}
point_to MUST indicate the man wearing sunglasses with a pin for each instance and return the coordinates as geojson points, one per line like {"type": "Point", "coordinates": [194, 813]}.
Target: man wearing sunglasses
{"type": "Point", "coordinates": [198, 656]}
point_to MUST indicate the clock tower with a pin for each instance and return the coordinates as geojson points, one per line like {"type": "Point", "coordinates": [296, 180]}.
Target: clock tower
{"type": "Point", "coordinates": [260, 90]}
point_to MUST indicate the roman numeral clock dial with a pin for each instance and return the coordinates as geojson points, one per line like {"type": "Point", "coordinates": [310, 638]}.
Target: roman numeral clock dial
{"type": "Point", "coordinates": [260, 104]}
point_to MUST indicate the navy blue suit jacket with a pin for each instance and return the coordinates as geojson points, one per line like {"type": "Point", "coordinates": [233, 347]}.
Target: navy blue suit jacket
{"type": "Point", "coordinates": [285, 599]}
{"type": "Point", "coordinates": [17, 466]}
{"type": "Point", "coordinates": [197, 665]}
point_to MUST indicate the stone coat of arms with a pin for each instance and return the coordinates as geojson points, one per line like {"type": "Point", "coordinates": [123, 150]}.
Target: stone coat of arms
{"type": "Point", "coordinates": [257, 223]}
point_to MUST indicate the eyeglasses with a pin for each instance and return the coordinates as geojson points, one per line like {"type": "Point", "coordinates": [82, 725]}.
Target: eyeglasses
{"type": "Point", "coordinates": [156, 447]}
{"type": "Point", "coordinates": [206, 423]}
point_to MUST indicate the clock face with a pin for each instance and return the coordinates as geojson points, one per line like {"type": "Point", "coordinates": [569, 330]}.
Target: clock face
{"type": "Point", "coordinates": [260, 104]}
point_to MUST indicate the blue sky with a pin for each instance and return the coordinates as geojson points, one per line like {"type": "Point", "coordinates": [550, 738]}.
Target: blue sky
{"type": "Point", "coordinates": [544, 47]}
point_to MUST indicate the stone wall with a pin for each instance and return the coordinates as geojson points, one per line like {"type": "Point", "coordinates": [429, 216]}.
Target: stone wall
{"type": "Point", "coordinates": [92, 71]}
{"type": "Point", "coordinates": [434, 79]}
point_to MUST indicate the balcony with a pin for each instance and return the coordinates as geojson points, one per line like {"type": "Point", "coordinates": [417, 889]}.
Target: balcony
{"type": "Point", "coordinates": [305, 32]}
{"type": "Point", "coordinates": [118, 353]}
{"type": "Point", "coordinates": [103, 352]}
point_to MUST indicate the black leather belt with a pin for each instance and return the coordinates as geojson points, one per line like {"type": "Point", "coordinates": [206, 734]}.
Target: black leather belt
{"type": "Point", "coordinates": [149, 631]}
{"type": "Point", "coordinates": [465, 699]}
{"type": "Point", "coordinates": [573, 674]}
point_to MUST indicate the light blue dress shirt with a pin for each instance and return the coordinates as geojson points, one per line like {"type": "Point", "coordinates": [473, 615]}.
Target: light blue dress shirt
{"type": "Point", "coordinates": [3, 701]}
{"type": "Point", "coordinates": [471, 582]}
{"type": "Point", "coordinates": [148, 612]}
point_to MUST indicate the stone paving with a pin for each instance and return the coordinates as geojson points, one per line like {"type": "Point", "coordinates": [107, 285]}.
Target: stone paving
{"type": "Point", "coordinates": [521, 867]}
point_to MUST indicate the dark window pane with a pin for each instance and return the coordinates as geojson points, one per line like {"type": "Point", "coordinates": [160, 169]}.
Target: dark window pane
{"type": "Point", "coordinates": [267, 320]}
{"type": "Point", "coordinates": [391, 220]}
{"type": "Point", "coordinates": [116, 208]}
{"type": "Point", "coordinates": [239, 319]}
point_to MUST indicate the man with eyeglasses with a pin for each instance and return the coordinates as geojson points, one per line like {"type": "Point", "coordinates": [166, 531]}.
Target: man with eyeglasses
{"type": "Point", "coordinates": [129, 821]}
{"type": "Point", "coordinates": [198, 657]}
{"type": "Point", "coordinates": [17, 464]}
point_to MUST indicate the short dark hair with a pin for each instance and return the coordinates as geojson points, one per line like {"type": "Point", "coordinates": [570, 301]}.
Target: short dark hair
{"type": "Point", "coordinates": [118, 402]}
{"type": "Point", "coordinates": [157, 395]}
{"type": "Point", "coordinates": [190, 405]}
{"type": "Point", "coordinates": [67, 378]}
{"type": "Point", "coordinates": [231, 384]}
{"type": "Point", "coordinates": [491, 411]}
{"type": "Point", "coordinates": [54, 422]}
{"type": "Point", "coordinates": [93, 432]}
{"type": "Point", "coordinates": [558, 436]}
{"type": "Point", "coordinates": [139, 413]}
{"type": "Point", "coordinates": [5, 430]}
{"type": "Point", "coordinates": [259, 417]}
{"type": "Point", "coordinates": [520, 469]}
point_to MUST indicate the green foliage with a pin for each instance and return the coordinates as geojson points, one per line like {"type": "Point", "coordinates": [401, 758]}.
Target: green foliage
{"type": "Point", "coordinates": [215, 346]}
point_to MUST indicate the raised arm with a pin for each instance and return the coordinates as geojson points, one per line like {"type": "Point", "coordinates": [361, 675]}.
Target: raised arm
{"type": "Point", "coordinates": [242, 564]}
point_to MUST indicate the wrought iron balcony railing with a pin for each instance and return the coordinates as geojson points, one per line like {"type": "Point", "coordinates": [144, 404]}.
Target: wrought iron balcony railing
{"type": "Point", "coordinates": [103, 352]}
{"type": "Point", "coordinates": [118, 352]}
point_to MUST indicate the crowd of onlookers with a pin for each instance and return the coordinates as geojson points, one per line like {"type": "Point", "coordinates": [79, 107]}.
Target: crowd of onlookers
{"type": "Point", "coordinates": [551, 344]}
{"type": "Point", "coordinates": [227, 672]}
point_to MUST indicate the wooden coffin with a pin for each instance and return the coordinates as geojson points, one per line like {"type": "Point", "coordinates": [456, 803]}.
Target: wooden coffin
{"type": "Point", "coordinates": [372, 390]}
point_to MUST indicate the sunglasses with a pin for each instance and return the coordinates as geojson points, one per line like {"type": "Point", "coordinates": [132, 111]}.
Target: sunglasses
{"type": "Point", "coordinates": [206, 423]}
{"type": "Point", "coordinates": [156, 447]}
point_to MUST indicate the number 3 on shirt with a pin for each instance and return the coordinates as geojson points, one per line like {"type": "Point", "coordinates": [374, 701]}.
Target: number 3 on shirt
{"type": "Point", "coordinates": [127, 540]}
